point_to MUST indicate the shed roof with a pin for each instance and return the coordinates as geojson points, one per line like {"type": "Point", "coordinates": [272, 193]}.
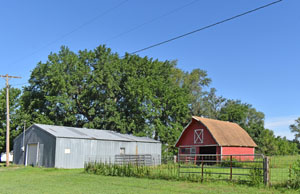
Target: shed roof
{"type": "Point", "coordinates": [227, 133]}
{"type": "Point", "coordinates": [84, 133]}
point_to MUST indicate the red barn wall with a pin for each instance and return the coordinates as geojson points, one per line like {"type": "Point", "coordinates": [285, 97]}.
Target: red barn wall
{"type": "Point", "coordinates": [187, 138]}
{"type": "Point", "coordinates": [239, 150]}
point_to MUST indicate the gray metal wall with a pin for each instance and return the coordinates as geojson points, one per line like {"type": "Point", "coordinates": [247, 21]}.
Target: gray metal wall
{"type": "Point", "coordinates": [46, 147]}
{"type": "Point", "coordinates": [151, 148]}
{"type": "Point", "coordinates": [73, 153]}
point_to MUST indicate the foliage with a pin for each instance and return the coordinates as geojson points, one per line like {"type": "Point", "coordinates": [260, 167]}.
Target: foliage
{"type": "Point", "coordinates": [253, 122]}
{"type": "Point", "coordinates": [256, 176]}
{"type": "Point", "coordinates": [295, 128]}
{"type": "Point", "coordinates": [14, 116]}
{"type": "Point", "coordinates": [98, 89]}
{"type": "Point", "coordinates": [135, 95]}
{"type": "Point", "coordinates": [171, 171]}
{"type": "Point", "coordinates": [227, 162]}
{"type": "Point", "coordinates": [294, 181]}
{"type": "Point", "coordinates": [167, 172]}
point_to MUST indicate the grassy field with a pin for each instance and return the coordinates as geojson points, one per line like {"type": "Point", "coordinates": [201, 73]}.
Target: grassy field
{"type": "Point", "coordinates": [280, 167]}
{"type": "Point", "coordinates": [43, 180]}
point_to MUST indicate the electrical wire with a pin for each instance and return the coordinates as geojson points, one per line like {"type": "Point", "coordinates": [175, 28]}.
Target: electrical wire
{"type": "Point", "coordinates": [205, 27]}
{"type": "Point", "coordinates": [152, 20]}
{"type": "Point", "coordinates": [21, 84]}
{"type": "Point", "coordinates": [72, 31]}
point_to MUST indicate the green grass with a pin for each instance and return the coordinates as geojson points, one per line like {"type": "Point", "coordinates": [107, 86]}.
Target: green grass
{"type": "Point", "coordinates": [48, 180]}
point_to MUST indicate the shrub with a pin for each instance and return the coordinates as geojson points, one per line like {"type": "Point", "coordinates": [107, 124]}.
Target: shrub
{"type": "Point", "coordinates": [256, 176]}
{"type": "Point", "coordinates": [226, 162]}
{"type": "Point", "coordinates": [294, 181]}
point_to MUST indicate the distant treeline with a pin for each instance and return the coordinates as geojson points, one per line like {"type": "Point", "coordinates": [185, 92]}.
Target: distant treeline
{"type": "Point", "coordinates": [130, 94]}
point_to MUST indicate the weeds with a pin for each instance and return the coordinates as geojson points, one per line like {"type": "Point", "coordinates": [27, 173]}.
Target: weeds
{"type": "Point", "coordinates": [189, 172]}
{"type": "Point", "coordinates": [166, 172]}
{"type": "Point", "coordinates": [294, 176]}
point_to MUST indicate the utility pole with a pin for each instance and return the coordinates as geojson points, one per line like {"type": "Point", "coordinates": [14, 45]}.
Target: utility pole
{"type": "Point", "coordinates": [7, 115]}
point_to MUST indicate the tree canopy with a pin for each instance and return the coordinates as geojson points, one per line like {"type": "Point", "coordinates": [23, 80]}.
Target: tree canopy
{"type": "Point", "coordinates": [130, 94]}
{"type": "Point", "coordinates": [295, 128]}
{"type": "Point", "coordinates": [98, 89]}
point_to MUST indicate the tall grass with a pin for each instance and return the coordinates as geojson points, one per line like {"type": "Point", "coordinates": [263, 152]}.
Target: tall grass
{"type": "Point", "coordinates": [165, 171]}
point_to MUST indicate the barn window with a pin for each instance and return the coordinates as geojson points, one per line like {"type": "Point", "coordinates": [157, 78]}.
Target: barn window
{"type": "Point", "coordinates": [122, 151]}
{"type": "Point", "coordinates": [193, 150]}
{"type": "Point", "coordinates": [198, 136]}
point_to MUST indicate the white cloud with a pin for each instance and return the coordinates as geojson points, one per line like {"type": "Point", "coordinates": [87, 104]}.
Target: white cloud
{"type": "Point", "coordinates": [280, 125]}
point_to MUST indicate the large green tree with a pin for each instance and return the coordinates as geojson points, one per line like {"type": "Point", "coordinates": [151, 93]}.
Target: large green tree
{"type": "Point", "coordinates": [98, 89]}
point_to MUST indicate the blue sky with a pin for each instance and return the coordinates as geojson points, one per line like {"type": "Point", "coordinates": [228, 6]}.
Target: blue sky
{"type": "Point", "coordinates": [254, 58]}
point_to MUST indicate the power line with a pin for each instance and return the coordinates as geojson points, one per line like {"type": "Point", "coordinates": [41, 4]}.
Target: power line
{"type": "Point", "coordinates": [21, 84]}
{"type": "Point", "coordinates": [74, 30]}
{"type": "Point", "coordinates": [152, 20]}
{"type": "Point", "coordinates": [205, 27]}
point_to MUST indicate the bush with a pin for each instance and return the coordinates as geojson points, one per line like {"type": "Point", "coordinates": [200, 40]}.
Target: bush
{"type": "Point", "coordinates": [294, 181]}
{"type": "Point", "coordinates": [256, 176]}
{"type": "Point", "coordinates": [226, 163]}
{"type": "Point", "coordinates": [166, 171]}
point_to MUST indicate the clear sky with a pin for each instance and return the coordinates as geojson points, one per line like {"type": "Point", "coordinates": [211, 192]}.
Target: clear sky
{"type": "Point", "coordinates": [255, 58]}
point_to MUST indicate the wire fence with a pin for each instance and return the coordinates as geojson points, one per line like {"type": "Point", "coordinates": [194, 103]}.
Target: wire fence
{"type": "Point", "coordinates": [281, 168]}
{"type": "Point", "coordinates": [223, 167]}
{"type": "Point", "coordinates": [198, 167]}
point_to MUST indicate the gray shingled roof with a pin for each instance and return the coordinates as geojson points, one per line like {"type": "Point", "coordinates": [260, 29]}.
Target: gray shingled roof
{"type": "Point", "coordinates": [84, 133]}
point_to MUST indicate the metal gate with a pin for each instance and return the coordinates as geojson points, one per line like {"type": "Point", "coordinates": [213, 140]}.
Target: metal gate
{"type": "Point", "coordinates": [239, 167]}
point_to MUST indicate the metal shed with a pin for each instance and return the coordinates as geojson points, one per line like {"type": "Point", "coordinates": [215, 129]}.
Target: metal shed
{"type": "Point", "coordinates": [69, 147]}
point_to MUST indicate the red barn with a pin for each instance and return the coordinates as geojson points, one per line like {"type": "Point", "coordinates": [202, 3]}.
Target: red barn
{"type": "Point", "coordinates": [209, 136]}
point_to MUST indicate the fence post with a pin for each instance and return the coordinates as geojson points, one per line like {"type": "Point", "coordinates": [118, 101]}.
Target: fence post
{"type": "Point", "coordinates": [266, 171]}
{"type": "Point", "coordinates": [202, 169]}
{"type": "Point", "coordinates": [230, 167]}
{"type": "Point", "coordinates": [175, 159]}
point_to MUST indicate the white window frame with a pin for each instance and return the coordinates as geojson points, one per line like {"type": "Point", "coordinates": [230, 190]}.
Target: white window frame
{"type": "Point", "coordinates": [198, 136]}
{"type": "Point", "coordinates": [122, 151]}
{"type": "Point", "coordinates": [193, 150]}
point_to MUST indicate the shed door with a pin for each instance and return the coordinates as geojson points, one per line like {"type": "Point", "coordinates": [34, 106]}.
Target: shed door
{"type": "Point", "coordinates": [32, 154]}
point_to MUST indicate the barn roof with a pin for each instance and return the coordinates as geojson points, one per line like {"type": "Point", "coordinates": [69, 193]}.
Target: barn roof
{"type": "Point", "coordinates": [84, 133]}
{"type": "Point", "coordinates": [227, 133]}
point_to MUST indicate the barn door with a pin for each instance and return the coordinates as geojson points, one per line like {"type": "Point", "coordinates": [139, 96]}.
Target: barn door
{"type": "Point", "coordinates": [32, 154]}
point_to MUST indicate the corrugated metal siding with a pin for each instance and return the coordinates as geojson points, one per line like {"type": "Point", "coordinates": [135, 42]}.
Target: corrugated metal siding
{"type": "Point", "coordinates": [151, 148]}
{"type": "Point", "coordinates": [46, 147]}
{"type": "Point", "coordinates": [74, 152]}
{"type": "Point", "coordinates": [83, 133]}
{"type": "Point", "coordinates": [82, 150]}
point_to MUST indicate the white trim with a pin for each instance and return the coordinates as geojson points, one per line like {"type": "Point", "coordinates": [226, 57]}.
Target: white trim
{"type": "Point", "coordinates": [183, 146]}
{"type": "Point", "coordinates": [37, 150]}
{"type": "Point", "coordinates": [221, 152]}
{"type": "Point", "coordinates": [183, 132]}
{"type": "Point", "coordinates": [26, 153]}
{"type": "Point", "coordinates": [198, 136]}
{"type": "Point", "coordinates": [37, 153]}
